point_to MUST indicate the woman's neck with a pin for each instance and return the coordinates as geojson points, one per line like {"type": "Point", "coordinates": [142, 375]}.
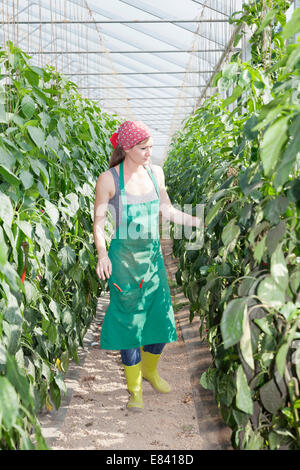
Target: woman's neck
{"type": "Point", "coordinates": [131, 168]}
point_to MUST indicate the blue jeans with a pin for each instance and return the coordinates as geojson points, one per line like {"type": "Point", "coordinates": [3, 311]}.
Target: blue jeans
{"type": "Point", "coordinates": [131, 357]}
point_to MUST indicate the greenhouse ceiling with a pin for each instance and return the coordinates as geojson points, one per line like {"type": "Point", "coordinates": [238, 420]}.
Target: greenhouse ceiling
{"type": "Point", "coordinates": [149, 60]}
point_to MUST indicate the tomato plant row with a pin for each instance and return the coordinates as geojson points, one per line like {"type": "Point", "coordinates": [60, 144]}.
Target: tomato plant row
{"type": "Point", "coordinates": [53, 145]}
{"type": "Point", "coordinates": [239, 155]}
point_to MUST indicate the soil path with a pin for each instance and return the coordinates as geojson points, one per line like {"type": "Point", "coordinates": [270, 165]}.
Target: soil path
{"type": "Point", "coordinates": [94, 416]}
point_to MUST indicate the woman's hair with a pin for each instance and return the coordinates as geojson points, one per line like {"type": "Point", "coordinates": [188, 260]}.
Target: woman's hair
{"type": "Point", "coordinates": [117, 156]}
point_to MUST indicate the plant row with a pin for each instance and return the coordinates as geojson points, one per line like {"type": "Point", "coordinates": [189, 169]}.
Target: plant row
{"type": "Point", "coordinates": [53, 146]}
{"type": "Point", "coordinates": [238, 154]}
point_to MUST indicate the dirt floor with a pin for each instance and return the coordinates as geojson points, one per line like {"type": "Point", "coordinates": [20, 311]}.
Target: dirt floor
{"type": "Point", "coordinates": [94, 416]}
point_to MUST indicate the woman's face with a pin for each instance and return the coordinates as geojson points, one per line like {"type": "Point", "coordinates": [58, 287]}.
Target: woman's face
{"type": "Point", "coordinates": [141, 152]}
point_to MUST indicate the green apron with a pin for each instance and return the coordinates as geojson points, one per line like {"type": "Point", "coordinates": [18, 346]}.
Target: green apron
{"type": "Point", "coordinates": [140, 311]}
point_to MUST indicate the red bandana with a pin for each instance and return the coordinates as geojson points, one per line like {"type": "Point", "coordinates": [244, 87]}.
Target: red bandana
{"type": "Point", "coordinates": [129, 134]}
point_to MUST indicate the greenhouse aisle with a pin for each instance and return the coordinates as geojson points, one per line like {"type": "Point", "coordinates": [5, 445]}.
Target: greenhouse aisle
{"type": "Point", "coordinates": [94, 416]}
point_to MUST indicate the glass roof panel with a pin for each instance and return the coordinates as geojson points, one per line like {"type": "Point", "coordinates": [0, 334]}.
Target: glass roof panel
{"type": "Point", "coordinates": [141, 59]}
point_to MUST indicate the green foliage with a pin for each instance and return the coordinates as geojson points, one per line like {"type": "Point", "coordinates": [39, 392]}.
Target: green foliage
{"type": "Point", "coordinates": [53, 146]}
{"type": "Point", "coordinates": [240, 156]}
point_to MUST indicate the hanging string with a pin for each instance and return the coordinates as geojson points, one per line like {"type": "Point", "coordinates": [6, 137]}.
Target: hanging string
{"type": "Point", "coordinates": [112, 80]}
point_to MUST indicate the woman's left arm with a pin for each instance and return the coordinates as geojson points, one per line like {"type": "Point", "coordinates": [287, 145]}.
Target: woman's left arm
{"type": "Point", "coordinates": [167, 210]}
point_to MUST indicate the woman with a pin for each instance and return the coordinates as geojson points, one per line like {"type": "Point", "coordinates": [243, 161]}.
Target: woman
{"type": "Point", "coordinates": [139, 320]}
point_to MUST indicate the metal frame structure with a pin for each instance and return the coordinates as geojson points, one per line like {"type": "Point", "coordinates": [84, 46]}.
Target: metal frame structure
{"type": "Point", "coordinates": [119, 52]}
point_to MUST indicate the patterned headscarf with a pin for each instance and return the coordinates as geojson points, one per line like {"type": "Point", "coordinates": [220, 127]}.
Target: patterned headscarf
{"type": "Point", "coordinates": [129, 134]}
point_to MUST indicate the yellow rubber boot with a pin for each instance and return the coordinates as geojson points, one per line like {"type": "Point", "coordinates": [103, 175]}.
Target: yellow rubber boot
{"type": "Point", "coordinates": [150, 373]}
{"type": "Point", "coordinates": [134, 379]}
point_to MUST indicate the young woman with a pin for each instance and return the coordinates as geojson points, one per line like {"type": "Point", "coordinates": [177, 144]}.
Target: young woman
{"type": "Point", "coordinates": [139, 320]}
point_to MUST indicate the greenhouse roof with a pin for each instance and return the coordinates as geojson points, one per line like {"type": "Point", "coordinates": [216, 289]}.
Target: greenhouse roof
{"type": "Point", "coordinates": [149, 60]}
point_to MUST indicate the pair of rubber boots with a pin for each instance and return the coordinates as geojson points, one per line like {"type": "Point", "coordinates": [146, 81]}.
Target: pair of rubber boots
{"type": "Point", "coordinates": [147, 369]}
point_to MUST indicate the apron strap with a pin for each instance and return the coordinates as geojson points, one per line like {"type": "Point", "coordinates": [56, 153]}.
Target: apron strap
{"type": "Point", "coordinates": [122, 184]}
{"type": "Point", "coordinates": [153, 180]}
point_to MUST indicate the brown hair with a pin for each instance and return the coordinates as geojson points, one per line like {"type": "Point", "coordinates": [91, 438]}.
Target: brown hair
{"type": "Point", "coordinates": [117, 156]}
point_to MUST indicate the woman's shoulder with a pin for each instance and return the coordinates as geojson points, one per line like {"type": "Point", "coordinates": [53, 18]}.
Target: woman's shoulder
{"type": "Point", "coordinates": [106, 181]}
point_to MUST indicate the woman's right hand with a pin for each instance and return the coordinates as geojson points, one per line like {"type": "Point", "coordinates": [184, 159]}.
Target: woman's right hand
{"type": "Point", "coordinates": [104, 267]}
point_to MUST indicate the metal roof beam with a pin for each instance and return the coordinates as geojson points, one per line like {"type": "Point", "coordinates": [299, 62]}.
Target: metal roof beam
{"type": "Point", "coordinates": [148, 107]}
{"type": "Point", "coordinates": [139, 73]}
{"type": "Point", "coordinates": [152, 98]}
{"type": "Point", "coordinates": [124, 52]}
{"type": "Point", "coordinates": [142, 86]}
{"type": "Point", "coordinates": [66, 22]}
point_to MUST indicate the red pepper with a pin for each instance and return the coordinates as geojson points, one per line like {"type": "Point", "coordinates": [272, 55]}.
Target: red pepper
{"type": "Point", "coordinates": [141, 283]}
{"type": "Point", "coordinates": [117, 287]}
{"type": "Point", "coordinates": [23, 276]}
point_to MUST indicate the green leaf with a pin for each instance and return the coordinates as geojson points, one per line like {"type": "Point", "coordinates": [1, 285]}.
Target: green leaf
{"type": "Point", "coordinates": [84, 257]}
{"type": "Point", "coordinates": [270, 293]}
{"type": "Point", "coordinates": [28, 106]}
{"type": "Point", "coordinates": [76, 273]}
{"type": "Point", "coordinates": [7, 159]}
{"type": "Point", "coordinates": [273, 140]}
{"type": "Point", "coordinates": [62, 130]}
{"type": "Point", "coordinates": [288, 309]}
{"type": "Point", "coordinates": [236, 93]}
{"type": "Point", "coordinates": [6, 209]}
{"type": "Point", "coordinates": [293, 26]}
{"type": "Point", "coordinates": [55, 309]}
{"type": "Point", "coordinates": [26, 227]}
{"type": "Point", "coordinates": [289, 158]}
{"type": "Point", "coordinates": [9, 176]}
{"type": "Point", "coordinates": [275, 208]}
{"type": "Point", "coordinates": [214, 211]}
{"type": "Point", "coordinates": [32, 77]}
{"type": "Point", "coordinates": [43, 238]}
{"type": "Point", "coordinates": [31, 292]}
{"type": "Point", "coordinates": [243, 396]}
{"type": "Point", "coordinates": [279, 269]}
{"type": "Point", "coordinates": [295, 281]}
{"type": "Point", "coordinates": [67, 256]}
{"type": "Point", "coordinates": [267, 20]}
{"type": "Point", "coordinates": [245, 342]}
{"type": "Point", "coordinates": [55, 394]}
{"type": "Point", "coordinates": [274, 236]}
{"type": "Point", "coordinates": [52, 211]}
{"type": "Point", "coordinates": [67, 320]}
{"type": "Point", "coordinates": [281, 358]}
{"type": "Point", "coordinates": [3, 248]}
{"type": "Point", "coordinates": [19, 381]}
{"type": "Point", "coordinates": [226, 389]}
{"type": "Point", "coordinates": [283, 350]}
{"type": "Point", "coordinates": [74, 204]}
{"type": "Point", "coordinates": [3, 114]}
{"type": "Point", "coordinates": [52, 333]}
{"type": "Point", "coordinates": [37, 136]}
{"type": "Point", "coordinates": [59, 379]}
{"type": "Point", "coordinates": [271, 397]}
{"type": "Point", "coordinates": [263, 325]}
{"type": "Point", "coordinates": [232, 322]}
{"type": "Point", "coordinates": [230, 234]}
{"type": "Point", "coordinates": [27, 178]}
{"type": "Point", "coordinates": [260, 249]}
{"type": "Point", "coordinates": [9, 403]}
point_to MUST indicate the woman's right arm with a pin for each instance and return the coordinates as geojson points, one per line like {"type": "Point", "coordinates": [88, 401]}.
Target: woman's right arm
{"type": "Point", "coordinates": [100, 207]}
